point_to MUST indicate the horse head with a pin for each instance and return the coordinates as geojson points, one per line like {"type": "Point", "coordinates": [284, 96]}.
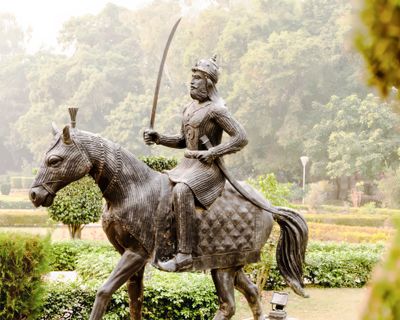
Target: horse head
{"type": "Point", "coordinates": [64, 162]}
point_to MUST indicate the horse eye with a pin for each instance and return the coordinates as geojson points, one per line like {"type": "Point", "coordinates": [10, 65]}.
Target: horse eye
{"type": "Point", "coordinates": [53, 161]}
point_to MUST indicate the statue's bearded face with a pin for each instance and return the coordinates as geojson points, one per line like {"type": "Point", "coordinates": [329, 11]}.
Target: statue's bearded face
{"type": "Point", "coordinates": [198, 86]}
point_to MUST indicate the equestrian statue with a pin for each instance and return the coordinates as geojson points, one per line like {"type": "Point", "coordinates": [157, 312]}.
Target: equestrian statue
{"type": "Point", "coordinates": [193, 217]}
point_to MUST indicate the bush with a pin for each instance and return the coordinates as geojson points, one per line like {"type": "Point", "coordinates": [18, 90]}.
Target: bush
{"type": "Point", "coordinates": [329, 232]}
{"type": "Point", "coordinates": [159, 163]}
{"type": "Point", "coordinates": [23, 261]}
{"type": "Point", "coordinates": [76, 205]}
{"type": "Point", "coordinates": [166, 296]}
{"type": "Point", "coordinates": [332, 265]}
{"type": "Point", "coordinates": [65, 254]}
{"type": "Point", "coordinates": [389, 187]}
{"type": "Point", "coordinates": [318, 193]}
{"type": "Point", "coordinates": [16, 182]}
{"type": "Point", "coordinates": [25, 218]}
{"type": "Point", "coordinates": [5, 188]}
{"type": "Point", "coordinates": [362, 220]}
{"type": "Point", "coordinates": [277, 193]}
{"type": "Point", "coordinates": [21, 204]}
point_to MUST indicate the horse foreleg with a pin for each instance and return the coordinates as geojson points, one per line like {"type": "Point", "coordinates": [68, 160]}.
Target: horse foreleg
{"type": "Point", "coordinates": [129, 264]}
{"type": "Point", "coordinates": [135, 291]}
{"type": "Point", "coordinates": [224, 284]}
{"type": "Point", "coordinates": [250, 291]}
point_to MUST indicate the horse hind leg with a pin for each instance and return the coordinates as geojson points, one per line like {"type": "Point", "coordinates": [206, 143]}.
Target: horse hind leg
{"type": "Point", "coordinates": [135, 292]}
{"type": "Point", "coordinates": [129, 264]}
{"type": "Point", "coordinates": [224, 284]}
{"type": "Point", "coordinates": [250, 291]}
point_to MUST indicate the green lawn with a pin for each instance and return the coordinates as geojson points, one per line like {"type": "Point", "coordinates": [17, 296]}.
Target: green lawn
{"type": "Point", "coordinates": [323, 304]}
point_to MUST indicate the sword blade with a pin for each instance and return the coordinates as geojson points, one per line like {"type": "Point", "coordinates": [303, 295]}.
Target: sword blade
{"type": "Point", "coordinates": [160, 72]}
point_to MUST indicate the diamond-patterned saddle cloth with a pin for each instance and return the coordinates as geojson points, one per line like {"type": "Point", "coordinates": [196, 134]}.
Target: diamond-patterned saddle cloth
{"type": "Point", "coordinates": [230, 233]}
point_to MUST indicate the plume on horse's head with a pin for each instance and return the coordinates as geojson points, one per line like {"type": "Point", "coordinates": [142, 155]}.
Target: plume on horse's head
{"type": "Point", "coordinates": [64, 162]}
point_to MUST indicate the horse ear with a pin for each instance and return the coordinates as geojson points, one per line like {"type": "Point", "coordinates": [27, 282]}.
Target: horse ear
{"type": "Point", "coordinates": [54, 129]}
{"type": "Point", "coordinates": [66, 136]}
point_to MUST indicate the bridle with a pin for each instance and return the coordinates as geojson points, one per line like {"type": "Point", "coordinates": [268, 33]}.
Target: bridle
{"type": "Point", "coordinates": [47, 184]}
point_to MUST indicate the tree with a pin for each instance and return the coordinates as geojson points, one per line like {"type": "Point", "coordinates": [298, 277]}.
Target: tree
{"type": "Point", "coordinates": [355, 138]}
{"type": "Point", "coordinates": [77, 204]}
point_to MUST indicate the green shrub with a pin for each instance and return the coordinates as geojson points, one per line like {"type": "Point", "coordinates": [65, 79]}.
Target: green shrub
{"type": "Point", "coordinates": [277, 193]}
{"type": "Point", "coordinates": [65, 254]}
{"type": "Point", "coordinates": [16, 182]}
{"type": "Point", "coordinates": [5, 188]}
{"type": "Point", "coordinates": [166, 297]}
{"type": "Point", "coordinates": [26, 182]}
{"type": "Point", "coordinates": [76, 205]}
{"type": "Point", "coordinates": [25, 218]}
{"type": "Point", "coordinates": [22, 204]}
{"type": "Point", "coordinates": [23, 261]}
{"type": "Point", "coordinates": [159, 163]}
{"type": "Point", "coordinates": [329, 264]}
{"type": "Point", "coordinates": [362, 220]}
{"type": "Point", "coordinates": [318, 193]}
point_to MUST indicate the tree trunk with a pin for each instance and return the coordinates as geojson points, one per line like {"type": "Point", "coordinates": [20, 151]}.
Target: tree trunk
{"type": "Point", "coordinates": [75, 231]}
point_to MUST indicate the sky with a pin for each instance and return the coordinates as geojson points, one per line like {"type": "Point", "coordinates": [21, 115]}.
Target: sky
{"type": "Point", "coordinates": [46, 17]}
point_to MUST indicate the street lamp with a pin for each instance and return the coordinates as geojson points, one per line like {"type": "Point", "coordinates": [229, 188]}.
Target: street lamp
{"type": "Point", "coordinates": [304, 161]}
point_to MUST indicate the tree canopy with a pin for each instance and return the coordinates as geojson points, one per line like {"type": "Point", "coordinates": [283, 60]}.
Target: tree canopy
{"type": "Point", "coordinates": [278, 61]}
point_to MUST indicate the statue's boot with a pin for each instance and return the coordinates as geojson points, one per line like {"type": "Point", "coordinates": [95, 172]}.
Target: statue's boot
{"type": "Point", "coordinates": [180, 262]}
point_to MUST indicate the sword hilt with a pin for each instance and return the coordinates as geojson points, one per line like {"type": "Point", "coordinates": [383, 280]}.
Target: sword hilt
{"type": "Point", "coordinates": [206, 142]}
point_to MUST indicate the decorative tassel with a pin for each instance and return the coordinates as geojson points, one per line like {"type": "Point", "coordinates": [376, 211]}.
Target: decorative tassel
{"type": "Point", "coordinates": [72, 113]}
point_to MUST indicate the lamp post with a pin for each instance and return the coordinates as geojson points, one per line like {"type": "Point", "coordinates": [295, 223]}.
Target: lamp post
{"type": "Point", "coordinates": [304, 161]}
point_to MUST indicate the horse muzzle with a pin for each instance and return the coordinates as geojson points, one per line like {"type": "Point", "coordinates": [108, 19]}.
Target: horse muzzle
{"type": "Point", "coordinates": [41, 197]}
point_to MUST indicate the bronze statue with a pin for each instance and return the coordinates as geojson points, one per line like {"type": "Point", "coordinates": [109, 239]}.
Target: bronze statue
{"type": "Point", "coordinates": [225, 236]}
{"type": "Point", "coordinates": [187, 219]}
{"type": "Point", "coordinates": [198, 176]}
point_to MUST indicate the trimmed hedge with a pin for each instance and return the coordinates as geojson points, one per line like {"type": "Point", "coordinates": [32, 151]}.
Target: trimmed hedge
{"type": "Point", "coordinates": [362, 220]}
{"type": "Point", "coordinates": [334, 265]}
{"type": "Point", "coordinates": [348, 210]}
{"type": "Point", "coordinates": [328, 264]}
{"type": "Point", "coordinates": [353, 234]}
{"type": "Point", "coordinates": [23, 262]}
{"type": "Point", "coordinates": [166, 296]}
{"type": "Point", "coordinates": [23, 218]}
{"type": "Point", "coordinates": [21, 204]}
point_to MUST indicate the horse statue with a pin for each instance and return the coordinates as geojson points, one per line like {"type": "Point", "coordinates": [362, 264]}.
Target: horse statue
{"type": "Point", "coordinates": [137, 221]}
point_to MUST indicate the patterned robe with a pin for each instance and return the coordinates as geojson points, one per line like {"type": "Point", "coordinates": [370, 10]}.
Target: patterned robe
{"type": "Point", "coordinates": [205, 180]}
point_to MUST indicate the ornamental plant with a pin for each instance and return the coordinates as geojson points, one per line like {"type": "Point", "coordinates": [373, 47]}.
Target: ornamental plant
{"type": "Point", "coordinates": [77, 204]}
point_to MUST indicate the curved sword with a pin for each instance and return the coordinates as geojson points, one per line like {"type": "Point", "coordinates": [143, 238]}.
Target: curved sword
{"type": "Point", "coordinates": [160, 72]}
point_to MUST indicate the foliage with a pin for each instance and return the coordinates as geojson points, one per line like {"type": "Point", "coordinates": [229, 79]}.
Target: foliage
{"type": "Point", "coordinates": [384, 297]}
{"type": "Point", "coordinates": [23, 218]}
{"type": "Point", "coordinates": [96, 265]}
{"type": "Point", "coordinates": [19, 204]}
{"type": "Point", "coordinates": [66, 254]}
{"type": "Point", "coordinates": [277, 59]}
{"type": "Point", "coordinates": [166, 296]}
{"type": "Point", "coordinates": [352, 234]}
{"type": "Point", "coordinates": [389, 187]}
{"type": "Point", "coordinates": [355, 137]}
{"type": "Point", "coordinates": [334, 265]}
{"type": "Point", "coordinates": [362, 220]}
{"type": "Point", "coordinates": [317, 193]}
{"type": "Point", "coordinates": [77, 204]}
{"type": "Point", "coordinates": [23, 262]}
{"type": "Point", "coordinates": [5, 188]}
{"type": "Point", "coordinates": [277, 193]}
{"type": "Point", "coordinates": [377, 39]}
{"type": "Point", "coordinates": [160, 163]}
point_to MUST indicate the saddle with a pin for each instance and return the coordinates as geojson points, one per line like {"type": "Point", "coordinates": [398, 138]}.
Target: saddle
{"type": "Point", "coordinates": [230, 233]}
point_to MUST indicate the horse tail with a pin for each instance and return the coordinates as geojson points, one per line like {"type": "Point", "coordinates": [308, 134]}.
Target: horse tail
{"type": "Point", "coordinates": [291, 248]}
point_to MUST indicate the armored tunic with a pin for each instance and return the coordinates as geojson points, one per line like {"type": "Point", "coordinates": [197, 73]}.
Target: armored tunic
{"type": "Point", "coordinates": [205, 180]}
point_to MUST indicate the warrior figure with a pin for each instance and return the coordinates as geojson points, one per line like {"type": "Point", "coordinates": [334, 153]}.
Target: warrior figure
{"type": "Point", "coordinates": [197, 179]}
